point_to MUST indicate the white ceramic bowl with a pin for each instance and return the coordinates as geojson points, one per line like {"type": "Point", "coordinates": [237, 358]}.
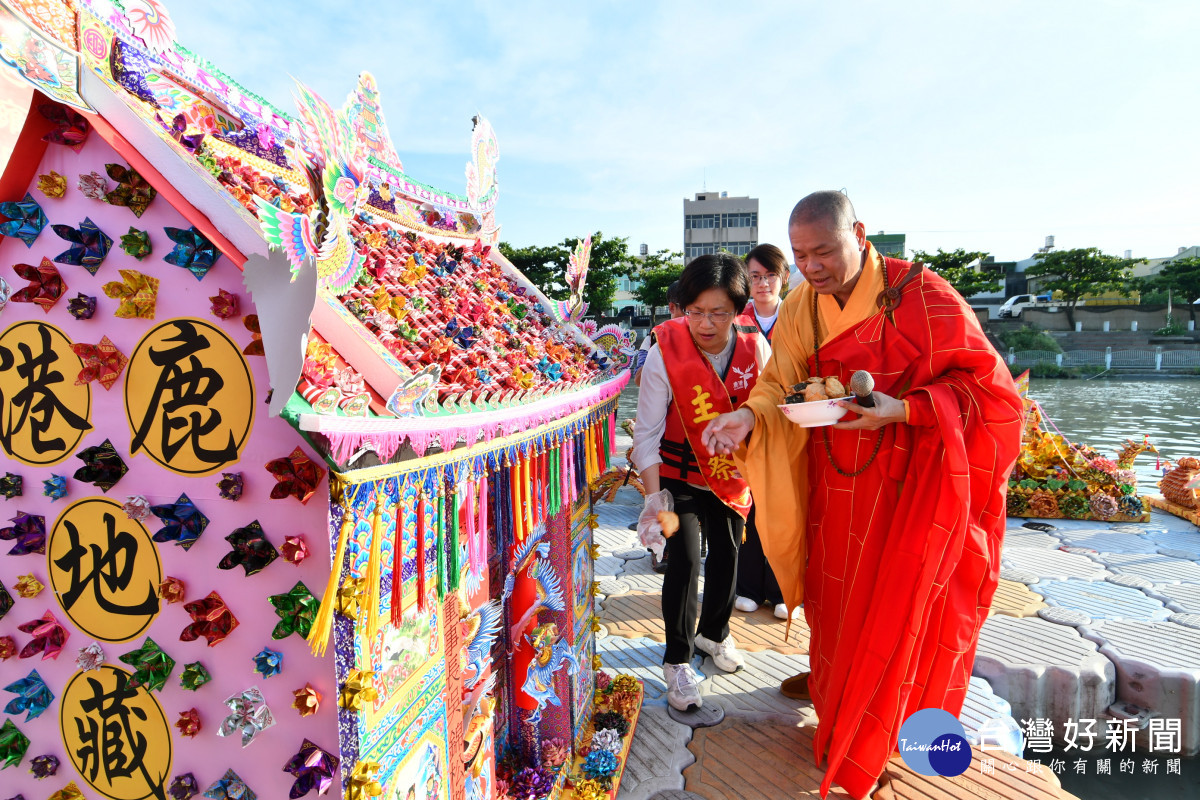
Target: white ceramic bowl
{"type": "Point", "coordinates": [814, 414]}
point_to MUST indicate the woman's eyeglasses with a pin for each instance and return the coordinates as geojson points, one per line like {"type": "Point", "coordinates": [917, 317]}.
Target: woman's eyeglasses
{"type": "Point", "coordinates": [715, 317]}
{"type": "Point", "coordinates": [766, 278]}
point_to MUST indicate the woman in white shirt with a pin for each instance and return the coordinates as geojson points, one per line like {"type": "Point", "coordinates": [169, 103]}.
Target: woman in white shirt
{"type": "Point", "coordinates": [700, 365]}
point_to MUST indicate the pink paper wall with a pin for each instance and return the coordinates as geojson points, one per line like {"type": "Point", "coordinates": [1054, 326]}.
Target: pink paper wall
{"type": "Point", "coordinates": [207, 755]}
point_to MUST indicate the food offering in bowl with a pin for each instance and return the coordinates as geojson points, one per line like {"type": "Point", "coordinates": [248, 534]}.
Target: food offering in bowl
{"type": "Point", "coordinates": [814, 402]}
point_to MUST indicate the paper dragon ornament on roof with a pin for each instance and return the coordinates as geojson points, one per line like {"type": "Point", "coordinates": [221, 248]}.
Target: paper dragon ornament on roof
{"type": "Point", "coordinates": [336, 178]}
{"type": "Point", "coordinates": [573, 308]}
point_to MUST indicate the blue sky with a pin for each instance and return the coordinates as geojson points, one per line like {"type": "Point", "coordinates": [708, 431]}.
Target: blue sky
{"type": "Point", "coordinates": [964, 124]}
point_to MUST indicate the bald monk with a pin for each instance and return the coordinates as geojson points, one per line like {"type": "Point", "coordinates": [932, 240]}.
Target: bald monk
{"type": "Point", "coordinates": [888, 526]}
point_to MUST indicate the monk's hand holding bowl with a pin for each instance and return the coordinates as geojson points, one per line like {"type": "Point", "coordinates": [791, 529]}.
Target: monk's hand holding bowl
{"type": "Point", "coordinates": [887, 409]}
{"type": "Point", "coordinates": [727, 432]}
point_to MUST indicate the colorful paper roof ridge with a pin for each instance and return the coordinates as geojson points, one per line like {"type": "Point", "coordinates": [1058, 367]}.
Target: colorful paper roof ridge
{"type": "Point", "coordinates": [425, 321]}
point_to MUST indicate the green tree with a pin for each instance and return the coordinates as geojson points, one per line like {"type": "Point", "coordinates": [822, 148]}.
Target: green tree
{"type": "Point", "coordinates": [1181, 278]}
{"type": "Point", "coordinates": [952, 266]}
{"type": "Point", "coordinates": [546, 268]}
{"type": "Point", "coordinates": [1080, 272]}
{"type": "Point", "coordinates": [658, 271]}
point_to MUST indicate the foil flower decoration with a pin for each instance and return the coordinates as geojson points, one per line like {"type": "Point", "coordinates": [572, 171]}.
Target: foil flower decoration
{"type": "Point", "coordinates": [151, 666]}
{"type": "Point", "coordinates": [231, 485]}
{"type": "Point", "coordinates": [138, 294]}
{"type": "Point", "coordinates": [1102, 506]}
{"type": "Point", "coordinates": [600, 764]}
{"type": "Point", "coordinates": [94, 186]}
{"type": "Point", "coordinates": [251, 550]}
{"type": "Point", "coordinates": [102, 362]}
{"type": "Point", "coordinates": [255, 348]}
{"type": "Point", "coordinates": [52, 185]}
{"type": "Point", "coordinates": [33, 696]}
{"type": "Point", "coordinates": [358, 689]}
{"type": "Point", "coordinates": [29, 533]}
{"type": "Point", "coordinates": [81, 306]}
{"type": "Point", "coordinates": [555, 752]}
{"type": "Point", "coordinates": [607, 739]}
{"type": "Point", "coordinates": [29, 586]}
{"type": "Point", "coordinates": [295, 476]}
{"type": "Point", "coordinates": [313, 768]}
{"type": "Point", "coordinates": [8, 647]}
{"type": "Point", "coordinates": [268, 662]}
{"type": "Point", "coordinates": [136, 243]}
{"type": "Point", "coordinates": [136, 507]}
{"type": "Point", "coordinates": [296, 611]}
{"type": "Point", "coordinates": [48, 637]}
{"type": "Point", "coordinates": [362, 781]}
{"type": "Point", "coordinates": [230, 787]}
{"type": "Point", "coordinates": [71, 128]}
{"type": "Point", "coordinates": [179, 132]}
{"type": "Point", "coordinates": [132, 190]}
{"type": "Point", "coordinates": [172, 590]}
{"type": "Point", "coordinates": [25, 219]}
{"type": "Point", "coordinates": [102, 465]}
{"type": "Point", "coordinates": [184, 522]}
{"type": "Point", "coordinates": [194, 676]}
{"type": "Point", "coordinates": [90, 657]}
{"type": "Point", "coordinates": [211, 618]}
{"type": "Point", "coordinates": [12, 485]}
{"type": "Point", "coordinates": [13, 744]}
{"type": "Point", "coordinates": [68, 792]}
{"type": "Point", "coordinates": [307, 700]}
{"type": "Point", "coordinates": [6, 604]}
{"type": "Point", "coordinates": [89, 245]}
{"type": "Point", "coordinates": [45, 288]}
{"type": "Point", "coordinates": [44, 766]}
{"type": "Point", "coordinates": [192, 251]}
{"type": "Point", "coordinates": [55, 487]}
{"type": "Point", "coordinates": [224, 304]}
{"type": "Point", "coordinates": [184, 787]}
{"type": "Point", "coordinates": [188, 722]}
{"type": "Point", "coordinates": [295, 550]}
{"type": "Point", "coordinates": [249, 716]}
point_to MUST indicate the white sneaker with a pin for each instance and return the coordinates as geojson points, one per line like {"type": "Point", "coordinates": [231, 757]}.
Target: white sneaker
{"type": "Point", "coordinates": [781, 612]}
{"type": "Point", "coordinates": [683, 693]}
{"type": "Point", "coordinates": [745, 604]}
{"type": "Point", "coordinates": [724, 654]}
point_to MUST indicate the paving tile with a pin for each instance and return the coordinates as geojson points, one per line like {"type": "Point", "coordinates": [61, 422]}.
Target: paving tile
{"type": "Point", "coordinates": [1155, 525]}
{"type": "Point", "coordinates": [1154, 567]}
{"type": "Point", "coordinates": [608, 567]}
{"type": "Point", "coordinates": [639, 614]}
{"type": "Point", "coordinates": [673, 794]}
{"type": "Point", "coordinates": [1102, 600]}
{"type": "Point", "coordinates": [1014, 599]}
{"type": "Point", "coordinates": [1053, 565]}
{"type": "Point", "coordinates": [1045, 670]}
{"type": "Point", "coordinates": [1027, 538]}
{"type": "Point", "coordinates": [706, 716]}
{"type": "Point", "coordinates": [754, 690]}
{"type": "Point", "coordinates": [986, 716]}
{"type": "Point", "coordinates": [1181, 597]}
{"type": "Point", "coordinates": [1026, 781]}
{"type": "Point", "coordinates": [643, 659]}
{"type": "Point", "coordinates": [657, 758]}
{"type": "Point", "coordinates": [749, 760]}
{"type": "Point", "coordinates": [1158, 668]}
{"type": "Point", "coordinates": [611, 586]}
{"type": "Point", "coordinates": [1109, 542]}
{"type": "Point", "coordinates": [1179, 542]}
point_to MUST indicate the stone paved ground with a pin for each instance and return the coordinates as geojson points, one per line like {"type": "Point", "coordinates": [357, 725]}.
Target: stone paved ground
{"type": "Point", "coordinates": [762, 748]}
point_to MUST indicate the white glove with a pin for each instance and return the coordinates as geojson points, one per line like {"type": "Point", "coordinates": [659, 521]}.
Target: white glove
{"type": "Point", "coordinates": [649, 528]}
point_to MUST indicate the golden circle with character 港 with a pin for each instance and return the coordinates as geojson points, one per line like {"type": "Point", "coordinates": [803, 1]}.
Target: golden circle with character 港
{"type": "Point", "coordinates": [105, 570]}
{"type": "Point", "coordinates": [44, 413]}
{"type": "Point", "coordinates": [189, 397]}
{"type": "Point", "coordinates": [116, 735]}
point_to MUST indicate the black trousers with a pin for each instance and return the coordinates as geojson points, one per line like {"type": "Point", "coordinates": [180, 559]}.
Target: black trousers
{"type": "Point", "coordinates": [698, 509]}
{"type": "Point", "coordinates": [754, 576]}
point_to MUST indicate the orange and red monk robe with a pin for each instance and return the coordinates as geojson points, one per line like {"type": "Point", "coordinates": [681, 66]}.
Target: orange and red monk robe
{"type": "Point", "coordinates": [896, 567]}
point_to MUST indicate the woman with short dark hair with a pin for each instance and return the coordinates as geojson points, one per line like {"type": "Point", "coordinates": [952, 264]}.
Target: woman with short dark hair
{"type": "Point", "coordinates": [700, 366]}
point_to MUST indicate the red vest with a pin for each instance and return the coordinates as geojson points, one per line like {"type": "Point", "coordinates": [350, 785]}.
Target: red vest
{"type": "Point", "coordinates": [698, 395]}
{"type": "Point", "coordinates": [748, 321]}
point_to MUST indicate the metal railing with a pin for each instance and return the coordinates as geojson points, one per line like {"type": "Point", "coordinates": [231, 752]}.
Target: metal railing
{"type": "Point", "coordinates": [1155, 359]}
